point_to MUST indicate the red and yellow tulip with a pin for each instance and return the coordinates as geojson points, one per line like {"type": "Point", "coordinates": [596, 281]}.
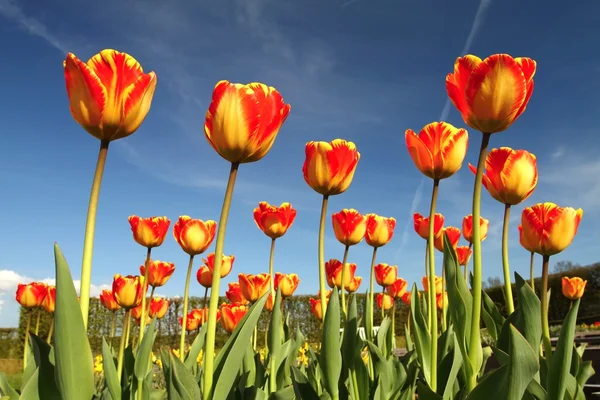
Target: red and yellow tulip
{"type": "Point", "coordinates": [128, 290]}
{"type": "Point", "coordinates": [397, 289]}
{"type": "Point", "coordinates": [287, 283]}
{"type": "Point", "coordinates": [380, 230]}
{"type": "Point", "coordinates": [31, 294]}
{"type": "Point", "coordinates": [441, 300]}
{"type": "Point", "coordinates": [385, 274]}
{"type": "Point", "coordinates": [108, 300]}
{"type": "Point", "coordinates": [467, 228]}
{"type": "Point", "coordinates": [243, 121]}
{"type": "Point", "coordinates": [349, 226]}
{"type": "Point", "coordinates": [354, 284]}
{"type": "Point", "coordinates": [226, 263]}
{"type": "Point", "coordinates": [406, 298]}
{"type": "Point", "coordinates": [231, 315]}
{"type": "Point", "coordinates": [110, 95]}
{"type": "Point", "coordinates": [548, 229]}
{"type": "Point", "coordinates": [329, 167]}
{"type": "Point", "coordinates": [315, 307]}
{"type": "Point", "coordinates": [253, 287]}
{"type": "Point", "coordinates": [453, 235]}
{"type": "Point", "coordinates": [510, 176]}
{"type": "Point", "coordinates": [438, 150]}
{"type": "Point", "coordinates": [234, 293]}
{"type": "Point", "coordinates": [192, 322]}
{"type": "Point", "coordinates": [333, 271]}
{"type": "Point", "coordinates": [384, 301]}
{"type": "Point", "coordinates": [422, 225]}
{"type": "Point", "coordinates": [491, 94]}
{"type": "Point", "coordinates": [573, 288]}
{"type": "Point", "coordinates": [149, 232]}
{"type": "Point", "coordinates": [438, 284]}
{"type": "Point", "coordinates": [194, 235]}
{"type": "Point", "coordinates": [204, 276]}
{"type": "Point", "coordinates": [272, 220]}
{"type": "Point", "coordinates": [159, 272]}
{"type": "Point", "coordinates": [49, 301]}
{"type": "Point", "coordinates": [158, 307]}
{"type": "Point", "coordinates": [463, 253]}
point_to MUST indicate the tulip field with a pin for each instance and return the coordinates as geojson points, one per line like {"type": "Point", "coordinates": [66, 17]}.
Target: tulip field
{"type": "Point", "coordinates": [253, 343]}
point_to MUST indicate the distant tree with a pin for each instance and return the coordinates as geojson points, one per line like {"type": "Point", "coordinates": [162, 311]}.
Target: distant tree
{"type": "Point", "coordinates": [564, 266]}
{"type": "Point", "coordinates": [493, 281]}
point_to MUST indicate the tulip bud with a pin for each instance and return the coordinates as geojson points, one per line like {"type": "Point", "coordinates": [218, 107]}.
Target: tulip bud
{"type": "Point", "coordinates": [422, 225]}
{"type": "Point", "coordinates": [354, 284]}
{"type": "Point", "coordinates": [329, 167]}
{"type": "Point", "coordinates": [108, 300]}
{"type": "Point", "coordinates": [254, 286]}
{"type": "Point", "coordinates": [149, 232]}
{"type": "Point", "coordinates": [226, 263]}
{"type": "Point", "coordinates": [194, 235]}
{"type": "Point", "coordinates": [385, 274]}
{"type": "Point", "coordinates": [231, 315]}
{"type": "Point", "coordinates": [573, 288]}
{"type": "Point", "coordinates": [467, 228]}
{"type": "Point", "coordinates": [397, 289]}
{"type": "Point", "coordinates": [49, 301]}
{"type": "Point", "coordinates": [158, 307]}
{"type": "Point", "coordinates": [128, 290]}
{"type": "Point", "coordinates": [31, 294]}
{"type": "Point", "coordinates": [204, 276]}
{"type": "Point", "coordinates": [349, 226]}
{"type": "Point", "coordinates": [316, 309]}
{"type": "Point", "coordinates": [453, 235]}
{"type": "Point", "coordinates": [379, 230]}
{"type": "Point", "coordinates": [287, 283]}
{"type": "Point", "coordinates": [333, 271]}
{"type": "Point", "coordinates": [384, 301]}
{"type": "Point", "coordinates": [159, 272]}
{"type": "Point", "coordinates": [463, 253]}
{"type": "Point", "coordinates": [438, 284]}
{"type": "Point", "coordinates": [274, 221]}
{"type": "Point", "coordinates": [234, 294]}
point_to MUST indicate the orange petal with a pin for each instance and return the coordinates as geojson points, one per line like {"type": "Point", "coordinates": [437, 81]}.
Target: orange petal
{"type": "Point", "coordinates": [456, 83]}
{"type": "Point", "coordinates": [519, 176]}
{"type": "Point", "coordinates": [420, 152]}
{"type": "Point", "coordinates": [137, 102]}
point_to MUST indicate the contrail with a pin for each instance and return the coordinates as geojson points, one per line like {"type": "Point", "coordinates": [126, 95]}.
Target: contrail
{"type": "Point", "coordinates": [477, 22]}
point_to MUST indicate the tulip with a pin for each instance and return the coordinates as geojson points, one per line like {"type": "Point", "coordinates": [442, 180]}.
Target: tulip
{"type": "Point", "coordinates": [243, 121]}
{"type": "Point", "coordinates": [254, 287]}
{"type": "Point", "coordinates": [441, 301]}
{"type": "Point", "coordinates": [438, 284]}
{"type": "Point", "coordinates": [287, 283]}
{"type": "Point", "coordinates": [397, 289]}
{"type": "Point", "coordinates": [194, 235]}
{"type": "Point", "coordinates": [231, 315]}
{"type": "Point", "coordinates": [158, 307]}
{"type": "Point", "coordinates": [406, 298]}
{"type": "Point", "coordinates": [573, 288]}
{"type": "Point", "coordinates": [317, 309]}
{"type": "Point", "coordinates": [354, 284]}
{"type": "Point", "coordinates": [136, 312]}
{"type": "Point", "coordinates": [49, 301]}
{"type": "Point", "coordinates": [31, 295]}
{"type": "Point", "coordinates": [491, 94]}
{"type": "Point", "coordinates": [510, 175]}
{"type": "Point", "coordinates": [159, 272]}
{"type": "Point", "coordinates": [128, 290]}
{"type": "Point", "coordinates": [329, 167]}
{"type": "Point", "coordinates": [422, 225]}
{"type": "Point", "coordinates": [108, 300]}
{"type": "Point", "coordinates": [379, 230]}
{"type": "Point", "coordinates": [149, 232]}
{"type": "Point", "coordinates": [384, 301]}
{"type": "Point", "coordinates": [333, 270]}
{"type": "Point", "coordinates": [274, 221]}
{"type": "Point", "coordinates": [453, 235]}
{"type": "Point", "coordinates": [226, 264]}
{"type": "Point", "coordinates": [235, 295]}
{"type": "Point", "coordinates": [349, 226]}
{"type": "Point", "coordinates": [204, 276]}
{"type": "Point", "coordinates": [467, 228]}
{"type": "Point", "coordinates": [202, 314]}
{"type": "Point", "coordinates": [385, 274]}
{"type": "Point", "coordinates": [192, 322]}
{"type": "Point", "coordinates": [463, 253]}
{"type": "Point", "coordinates": [438, 150]}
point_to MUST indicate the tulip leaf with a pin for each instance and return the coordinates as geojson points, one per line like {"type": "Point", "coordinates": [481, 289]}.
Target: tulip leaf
{"type": "Point", "coordinates": [302, 387]}
{"type": "Point", "coordinates": [142, 359]}
{"type": "Point", "coordinates": [349, 341]}
{"type": "Point", "coordinates": [6, 389]}
{"type": "Point", "coordinates": [331, 356]}
{"type": "Point", "coordinates": [447, 375]}
{"type": "Point", "coordinates": [110, 372]}
{"type": "Point", "coordinates": [31, 389]}
{"type": "Point", "coordinates": [560, 363]}
{"type": "Point", "coordinates": [197, 345]}
{"type": "Point", "coordinates": [229, 360]}
{"type": "Point", "coordinates": [287, 393]}
{"type": "Point", "coordinates": [510, 380]}
{"type": "Point", "coordinates": [492, 318]}
{"type": "Point", "coordinates": [422, 336]}
{"type": "Point", "coordinates": [42, 353]}
{"type": "Point", "coordinates": [72, 353]}
{"type": "Point", "coordinates": [181, 384]}
{"type": "Point", "coordinates": [425, 392]}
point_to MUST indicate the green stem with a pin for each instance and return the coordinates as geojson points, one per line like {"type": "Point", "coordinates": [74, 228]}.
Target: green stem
{"type": "Point", "coordinates": [394, 323]}
{"type": "Point", "coordinates": [443, 299]}
{"type": "Point", "coordinates": [128, 331]}
{"type": "Point", "coordinates": [271, 258]}
{"type": "Point", "coordinates": [124, 330]}
{"type": "Point", "coordinates": [531, 272]}
{"type": "Point", "coordinates": [382, 300]}
{"type": "Point", "coordinates": [144, 291]}
{"type": "Point", "coordinates": [90, 227]}
{"type": "Point", "coordinates": [545, 326]}
{"type": "Point", "coordinates": [343, 286]}
{"type": "Point", "coordinates": [186, 294]}
{"type": "Point", "coordinates": [50, 330]}
{"type": "Point", "coordinates": [372, 286]}
{"type": "Point", "coordinates": [475, 356]}
{"type": "Point", "coordinates": [214, 291]}
{"type": "Point", "coordinates": [204, 303]}
{"type": "Point", "coordinates": [37, 321]}
{"type": "Point", "coordinates": [322, 279]}
{"type": "Point", "coordinates": [467, 264]}
{"type": "Point", "coordinates": [150, 300]}
{"type": "Point", "coordinates": [112, 326]}
{"type": "Point", "coordinates": [432, 311]}
{"type": "Point", "coordinates": [429, 315]}
{"type": "Point", "coordinates": [26, 346]}
{"type": "Point", "coordinates": [505, 266]}
{"type": "Point", "coordinates": [254, 337]}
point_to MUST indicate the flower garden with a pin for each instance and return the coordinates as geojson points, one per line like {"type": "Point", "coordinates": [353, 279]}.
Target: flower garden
{"type": "Point", "coordinates": [352, 353]}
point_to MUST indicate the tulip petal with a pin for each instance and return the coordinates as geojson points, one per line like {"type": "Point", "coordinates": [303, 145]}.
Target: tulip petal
{"type": "Point", "coordinates": [518, 177]}
{"type": "Point", "coordinates": [456, 83]}
{"type": "Point", "coordinates": [419, 152]}
{"type": "Point", "coordinates": [495, 93]}
{"type": "Point", "coordinates": [137, 103]}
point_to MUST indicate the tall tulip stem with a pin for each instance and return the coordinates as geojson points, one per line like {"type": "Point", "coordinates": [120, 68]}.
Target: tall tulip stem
{"type": "Point", "coordinates": [90, 228]}
{"type": "Point", "coordinates": [544, 299]}
{"type": "Point", "coordinates": [321, 251]}
{"type": "Point", "coordinates": [432, 311]}
{"type": "Point", "coordinates": [343, 285]}
{"type": "Point", "coordinates": [475, 354]}
{"type": "Point", "coordinates": [144, 291]}
{"type": "Point", "coordinates": [505, 265]}
{"type": "Point", "coordinates": [186, 293]}
{"type": "Point", "coordinates": [271, 273]}
{"type": "Point", "coordinates": [50, 330]}
{"type": "Point", "coordinates": [532, 272]}
{"type": "Point", "coordinates": [124, 339]}
{"type": "Point", "coordinates": [372, 286]}
{"type": "Point", "coordinates": [394, 323]}
{"type": "Point", "coordinates": [26, 346]}
{"type": "Point", "coordinates": [216, 281]}
{"type": "Point", "coordinates": [37, 321]}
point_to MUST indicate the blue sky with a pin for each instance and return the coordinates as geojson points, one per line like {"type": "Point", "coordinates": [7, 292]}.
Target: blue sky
{"type": "Point", "coordinates": [360, 70]}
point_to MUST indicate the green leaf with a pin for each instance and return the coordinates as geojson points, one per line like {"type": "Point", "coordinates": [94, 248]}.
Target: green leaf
{"type": "Point", "coordinates": [302, 387]}
{"type": "Point", "coordinates": [6, 389]}
{"type": "Point", "coordinates": [560, 363]}
{"type": "Point", "coordinates": [249, 366]}
{"type": "Point", "coordinates": [110, 372]}
{"type": "Point", "coordinates": [72, 353]}
{"type": "Point", "coordinates": [510, 381]}
{"type": "Point", "coordinates": [382, 336]}
{"type": "Point", "coordinates": [421, 334]}
{"type": "Point", "coordinates": [349, 342]}
{"type": "Point", "coordinates": [526, 317]}
{"type": "Point", "coordinates": [286, 393]}
{"type": "Point", "coordinates": [425, 392]}
{"type": "Point", "coordinates": [331, 356]}
{"type": "Point", "coordinates": [586, 371]}
{"type": "Point", "coordinates": [182, 385]}
{"type": "Point", "coordinates": [142, 358]}
{"type": "Point", "coordinates": [197, 345]}
{"type": "Point", "coordinates": [450, 377]}
{"type": "Point", "coordinates": [31, 389]}
{"type": "Point", "coordinates": [42, 354]}
{"type": "Point", "coordinates": [383, 370]}
{"type": "Point", "coordinates": [229, 359]}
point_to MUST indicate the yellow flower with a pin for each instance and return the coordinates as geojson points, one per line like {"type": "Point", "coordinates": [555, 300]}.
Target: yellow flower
{"type": "Point", "coordinates": [365, 355]}
{"type": "Point", "coordinates": [98, 363]}
{"type": "Point", "coordinates": [200, 357]}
